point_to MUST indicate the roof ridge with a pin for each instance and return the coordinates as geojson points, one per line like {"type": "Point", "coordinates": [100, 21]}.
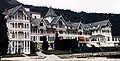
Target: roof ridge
{"type": "Point", "coordinates": [12, 10]}
{"type": "Point", "coordinates": [50, 13]}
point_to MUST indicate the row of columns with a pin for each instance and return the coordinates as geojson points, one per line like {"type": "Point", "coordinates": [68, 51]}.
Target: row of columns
{"type": "Point", "coordinates": [16, 34]}
{"type": "Point", "coordinates": [19, 47]}
{"type": "Point", "coordinates": [116, 39]}
{"type": "Point", "coordinates": [20, 14]}
{"type": "Point", "coordinates": [20, 25]}
{"type": "Point", "coordinates": [37, 31]}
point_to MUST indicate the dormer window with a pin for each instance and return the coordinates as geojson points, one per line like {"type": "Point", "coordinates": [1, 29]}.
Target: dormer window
{"type": "Point", "coordinates": [20, 15]}
{"type": "Point", "coordinates": [60, 23]}
{"type": "Point", "coordinates": [80, 27]}
{"type": "Point", "coordinates": [41, 30]}
{"type": "Point", "coordinates": [35, 17]}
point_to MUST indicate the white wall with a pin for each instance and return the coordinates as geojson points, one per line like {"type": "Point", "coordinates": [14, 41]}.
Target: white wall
{"type": "Point", "coordinates": [27, 9]}
{"type": "Point", "coordinates": [37, 15]}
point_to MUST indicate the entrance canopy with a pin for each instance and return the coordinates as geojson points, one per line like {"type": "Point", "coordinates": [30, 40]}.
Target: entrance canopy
{"type": "Point", "coordinates": [81, 38]}
{"type": "Point", "coordinates": [97, 36]}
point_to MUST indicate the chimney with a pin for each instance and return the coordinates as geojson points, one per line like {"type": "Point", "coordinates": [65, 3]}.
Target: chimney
{"type": "Point", "coordinates": [6, 10]}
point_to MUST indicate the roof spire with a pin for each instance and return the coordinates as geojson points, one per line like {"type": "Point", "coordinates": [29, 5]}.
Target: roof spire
{"type": "Point", "coordinates": [50, 13]}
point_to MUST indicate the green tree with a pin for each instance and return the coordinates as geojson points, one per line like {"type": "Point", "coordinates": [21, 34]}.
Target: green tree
{"type": "Point", "coordinates": [45, 44]}
{"type": "Point", "coordinates": [3, 35]}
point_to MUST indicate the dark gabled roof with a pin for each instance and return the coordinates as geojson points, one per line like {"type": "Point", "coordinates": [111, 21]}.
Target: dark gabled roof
{"type": "Point", "coordinates": [96, 25]}
{"type": "Point", "coordinates": [46, 21]}
{"type": "Point", "coordinates": [50, 13]}
{"type": "Point", "coordinates": [11, 11]}
{"type": "Point", "coordinates": [55, 20]}
{"type": "Point", "coordinates": [75, 25]}
{"type": "Point", "coordinates": [70, 24]}
{"type": "Point", "coordinates": [35, 22]}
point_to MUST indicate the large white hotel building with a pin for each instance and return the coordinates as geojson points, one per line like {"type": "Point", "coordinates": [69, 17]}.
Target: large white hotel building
{"type": "Point", "coordinates": [25, 26]}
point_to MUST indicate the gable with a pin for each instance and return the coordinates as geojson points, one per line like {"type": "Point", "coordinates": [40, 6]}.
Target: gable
{"type": "Point", "coordinates": [42, 23]}
{"type": "Point", "coordinates": [60, 22]}
{"type": "Point", "coordinates": [21, 14]}
{"type": "Point", "coordinates": [11, 12]}
{"type": "Point", "coordinates": [80, 26]}
{"type": "Point", "coordinates": [60, 19]}
{"type": "Point", "coordinates": [109, 24]}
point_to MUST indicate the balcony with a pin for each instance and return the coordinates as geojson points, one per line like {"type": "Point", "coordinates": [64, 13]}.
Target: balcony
{"type": "Point", "coordinates": [22, 39]}
{"type": "Point", "coordinates": [20, 29]}
{"type": "Point", "coordinates": [20, 20]}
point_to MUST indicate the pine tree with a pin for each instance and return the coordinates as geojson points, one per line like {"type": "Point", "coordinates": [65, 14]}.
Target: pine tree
{"type": "Point", "coordinates": [3, 35]}
{"type": "Point", "coordinates": [45, 44]}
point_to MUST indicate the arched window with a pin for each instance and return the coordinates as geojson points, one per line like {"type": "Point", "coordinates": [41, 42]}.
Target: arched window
{"type": "Point", "coordinates": [20, 15]}
{"type": "Point", "coordinates": [41, 30]}
{"type": "Point", "coordinates": [60, 23]}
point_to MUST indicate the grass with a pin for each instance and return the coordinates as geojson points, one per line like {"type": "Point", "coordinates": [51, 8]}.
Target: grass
{"type": "Point", "coordinates": [12, 55]}
{"type": "Point", "coordinates": [56, 52]}
{"type": "Point", "coordinates": [33, 54]}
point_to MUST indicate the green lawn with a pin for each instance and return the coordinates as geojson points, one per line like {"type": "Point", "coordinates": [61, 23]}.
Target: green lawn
{"type": "Point", "coordinates": [12, 55]}
{"type": "Point", "coordinates": [56, 52]}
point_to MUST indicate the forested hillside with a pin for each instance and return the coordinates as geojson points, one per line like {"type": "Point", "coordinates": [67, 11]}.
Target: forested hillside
{"type": "Point", "coordinates": [70, 15]}
{"type": "Point", "coordinates": [83, 17]}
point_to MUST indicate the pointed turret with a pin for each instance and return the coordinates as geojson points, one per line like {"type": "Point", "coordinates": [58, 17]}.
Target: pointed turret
{"type": "Point", "coordinates": [50, 13]}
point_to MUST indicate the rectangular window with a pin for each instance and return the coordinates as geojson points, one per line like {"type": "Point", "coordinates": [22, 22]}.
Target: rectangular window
{"type": "Point", "coordinates": [108, 38]}
{"type": "Point", "coordinates": [112, 39]}
{"type": "Point", "coordinates": [13, 35]}
{"type": "Point", "coordinates": [36, 38]}
{"type": "Point", "coordinates": [35, 17]}
{"type": "Point", "coordinates": [107, 31]}
{"type": "Point", "coordinates": [61, 32]}
{"type": "Point", "coordinates": [25, 34]}
{"type": "Point", "coordinates": [60, 22]}
{"type": "Point", "coordinates": [33, 38]}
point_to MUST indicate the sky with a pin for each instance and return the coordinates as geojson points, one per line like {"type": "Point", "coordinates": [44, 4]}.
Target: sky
{"type": "Point", "coordinates": [98, 6]}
